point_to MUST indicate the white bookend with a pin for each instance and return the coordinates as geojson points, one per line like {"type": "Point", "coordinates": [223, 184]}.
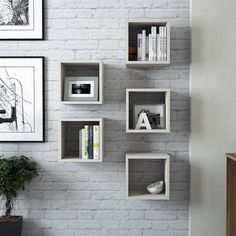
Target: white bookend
{"type": "Point", "coordinates": [85, 135]}
{"type": "Point", "coordinates": [80, 143]}
{"type": "Point", "coordinates": [96, 142]}
{"type": "Point", "coordinates": [154, 42]}
{"type": "Point", "coordinates": [150, 56]}
{"type": "Point", "coordinates": [143, 45]}
{"type": "Point", "coordinates": [158, 48]}
{"type": "Point", "coordinates": [139, 47]}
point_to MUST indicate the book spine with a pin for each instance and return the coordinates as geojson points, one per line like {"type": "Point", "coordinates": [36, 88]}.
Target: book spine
{"type": "Point", "coordinates": [165, 43]}
{"type": "Point", "coordinates": [96, 142]}
{"type": "Point", "coordinates": [154, 42]}
{"type": "Point", "coordinates": [158, 48]}
{"type": "Point", "coordinates": [90, 143]}
{"type": "Point", "coordinates": [150, 48]}
{"type": "Point", "coordinates": [147, 48]}
{"type": "Point", "coordinates": [143, 44]}
{"type": "Point", "coordinates": [85, 142]}
{"type": "Point", "coordinates": [139, 47]}
{"type": "Point", "coordinates": [80, 144]}
{"type": "Point", "coordinates": [161, 43]}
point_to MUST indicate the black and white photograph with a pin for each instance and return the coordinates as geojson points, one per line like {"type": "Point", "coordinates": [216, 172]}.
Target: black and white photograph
{"type": "Point", "coordinates": [21, 99]}
{"type": "Point", "coordinates": [81, 88]}
{"type": "Point", "coordinates": [21, 19]}
{"type": "Point", "coordinates": [155, 114]}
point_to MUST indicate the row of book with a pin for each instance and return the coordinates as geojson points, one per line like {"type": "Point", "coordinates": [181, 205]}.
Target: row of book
{"type": "Point", "coordinates": [152, 47]}
{"type": "Point", "coordinates": [89, 142]}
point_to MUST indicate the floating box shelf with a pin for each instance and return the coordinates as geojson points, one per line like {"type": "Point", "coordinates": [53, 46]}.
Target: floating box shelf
{"type": "Point", "coordinates": [143, 169]}
{"type": "Point", "coordinates": [69, 138]}
{"type": "Point", "coordinates": [135, 27]}
{"type": "Point", "coordinates": [81, 69]}
{"type": "Point", "coordinates": [144, 98]}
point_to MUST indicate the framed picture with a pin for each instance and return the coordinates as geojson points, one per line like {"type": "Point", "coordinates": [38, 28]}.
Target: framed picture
{"type": "Point", "coordinates": [21, 19]}
{"type": "Point", "coordinates": [21, 99]}
{"type": "Point", "coordinates": [81, 88]}
{"type": "Point", "coordinates": [155, 114]}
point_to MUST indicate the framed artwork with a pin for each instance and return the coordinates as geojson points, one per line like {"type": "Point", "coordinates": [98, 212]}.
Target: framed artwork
{"type": "Point", "coordinates": [81, 88]}
{"type": "Point", "coordinates": [21, 99]}
{"type": "Point", "coordinates": [21, 19]}
{"type": "Point", "coordinates": [155, 114]}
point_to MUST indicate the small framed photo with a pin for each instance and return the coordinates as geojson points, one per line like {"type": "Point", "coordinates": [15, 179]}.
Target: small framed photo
{"type": "Point", "coordinates": [21, 99]}
{"type": "Point", "coordinates": [155, 114]}
{"type": "Point", "coordinates": [81, 88]}
{"type": "Point", "coordinates": [21, 19]}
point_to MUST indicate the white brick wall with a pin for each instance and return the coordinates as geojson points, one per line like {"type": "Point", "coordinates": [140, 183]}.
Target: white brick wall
{"type": "Point", "coordinates": [79, 199]}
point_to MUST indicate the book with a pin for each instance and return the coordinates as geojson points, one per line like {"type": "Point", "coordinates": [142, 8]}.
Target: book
{"type": "Point", "coordinates": [150, 56]}
{"type": "Point", "coordinates": [143, 45]}
{"type": "Point", "coordinates": [139, 47]}
{"type": "Point", "coordinates": [96, 142]}
{"type": "Point", "coordinates": [164, 43]}
{"type": "Point", "coordinates": [80, 143]}
{"type": "Point", "coordinates": [158, 48]}
{"type": "Point", "coordinates": [85, 142]}
{"type": "Point", "coordinates": [154, 43]}
{"type": "Point", "coordinates": [147, 48]}
{"type": "Point", "coordinates": [90, 142]}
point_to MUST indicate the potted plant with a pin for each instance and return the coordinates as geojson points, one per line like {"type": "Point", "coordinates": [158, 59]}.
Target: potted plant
{"type": "Point", "coordinates": [15, 172]}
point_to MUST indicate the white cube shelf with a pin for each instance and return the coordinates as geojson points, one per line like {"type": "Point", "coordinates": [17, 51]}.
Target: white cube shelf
{"type": "Point", "coordinates": [135, 27]}
{"type": "Point", "coordinates": [143, 169]}
{"type": "Point", "coordinates": [69, 138]}
{"type": "Point", "coordinates": [147, 97]}
{"type": "Point", "coordinates": [81, 69]}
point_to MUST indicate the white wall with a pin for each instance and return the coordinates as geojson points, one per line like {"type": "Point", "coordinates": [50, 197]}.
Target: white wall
{"type": "Point", "coordinates": [213, 105]}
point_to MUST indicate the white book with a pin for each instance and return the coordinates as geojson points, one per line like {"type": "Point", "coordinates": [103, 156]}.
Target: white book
{"type": "Point", "coordinates": [165, 43]}
{"type": "Point", "coordinates": [139, 47]}
{"type": "Point", "coordinates": [80, 143]}
{"type": "Point", "coordinates": [143, 45]}
{"type": "Point", "coordinates": [85, 133]}
{"type": "Point", "coordinates": [150, 56]}
{"type": "Point", "coordinates": [161, 43]}
{"type": "Point", "coordinates": [158, 48]}
{"type": "Point", "coordinates": [96, 142]}
{"type": "Point", "coordinates": [154, 42]}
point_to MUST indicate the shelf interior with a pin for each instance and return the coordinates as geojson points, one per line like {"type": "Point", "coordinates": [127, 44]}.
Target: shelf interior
{"type": "Point", "coordinates": [78, 70]}
{"type": "Point", "coordinates": [145, 99]}
{"type": "Point", "coordinates": [143, 172]}
{"type": "Point", "coordinates": [136, 28]}
{"type": "Point", "coordinates": [70, 137]}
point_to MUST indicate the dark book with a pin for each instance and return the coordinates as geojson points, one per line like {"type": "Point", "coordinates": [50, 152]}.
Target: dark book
{"type": "Point", "coordinates": [90, 142]}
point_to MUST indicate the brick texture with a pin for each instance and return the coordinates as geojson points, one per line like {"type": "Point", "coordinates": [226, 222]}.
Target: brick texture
{"type": "Point", "coordinates": [88, 199]}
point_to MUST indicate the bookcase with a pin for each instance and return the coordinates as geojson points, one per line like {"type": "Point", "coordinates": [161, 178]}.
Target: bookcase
{"type": "Point", "coordinates": [134, 28]}
{"type": "Point", "coordinates": [69, 138]}
{"type": "Point", "coordinates": [82, 72]}
{"type": "Point", "coordinates": [155, 101]}
{"type": "Point", "coordinates": [143, 169]}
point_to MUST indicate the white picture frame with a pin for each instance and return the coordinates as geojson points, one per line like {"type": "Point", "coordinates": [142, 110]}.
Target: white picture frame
{"type": "Point", "coordinates": [84, 88]}
{"type": "Point", "coordinates": [22, 99]}
{"type": "Point", "coordinates": [28, 25]}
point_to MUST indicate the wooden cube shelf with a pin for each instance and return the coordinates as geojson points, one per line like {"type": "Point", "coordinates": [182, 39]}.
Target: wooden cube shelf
{"type": "Point", "coordinates": [135, 27]}
{"type": "Point", "coordinates": [69, 138]}
{"type": "Point", "coordinates": [143, 169]}
{"type": "Point", "coordinates": [81, 69]}
{"type": "Point", "coordinates": [136, 98]}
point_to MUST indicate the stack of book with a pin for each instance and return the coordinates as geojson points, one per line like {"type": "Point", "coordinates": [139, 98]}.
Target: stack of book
{"type": "Point", "coordinates": [152, 47]}
{"type": "Point", "coordinates": [89, 142]}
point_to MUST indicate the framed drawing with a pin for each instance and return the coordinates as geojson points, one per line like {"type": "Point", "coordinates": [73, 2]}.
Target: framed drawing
{"type": "Point", "coordinates": [81, 88]}
{"type": "Point", "coordinates": [21, 19]}
{"type": "Point", "coordinates": [21, 99]}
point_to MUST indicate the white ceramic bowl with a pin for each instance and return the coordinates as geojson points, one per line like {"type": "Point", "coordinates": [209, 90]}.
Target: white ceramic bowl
{"type": "Point", "coordinates": [156, 187]}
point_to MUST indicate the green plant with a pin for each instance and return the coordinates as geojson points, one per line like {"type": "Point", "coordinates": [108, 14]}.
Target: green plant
{"type": "Point", "coordinates": [15, 172]}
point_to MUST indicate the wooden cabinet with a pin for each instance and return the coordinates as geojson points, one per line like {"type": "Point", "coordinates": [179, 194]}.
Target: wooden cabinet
{"type": "Point", "coordinates": [231, 195]}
